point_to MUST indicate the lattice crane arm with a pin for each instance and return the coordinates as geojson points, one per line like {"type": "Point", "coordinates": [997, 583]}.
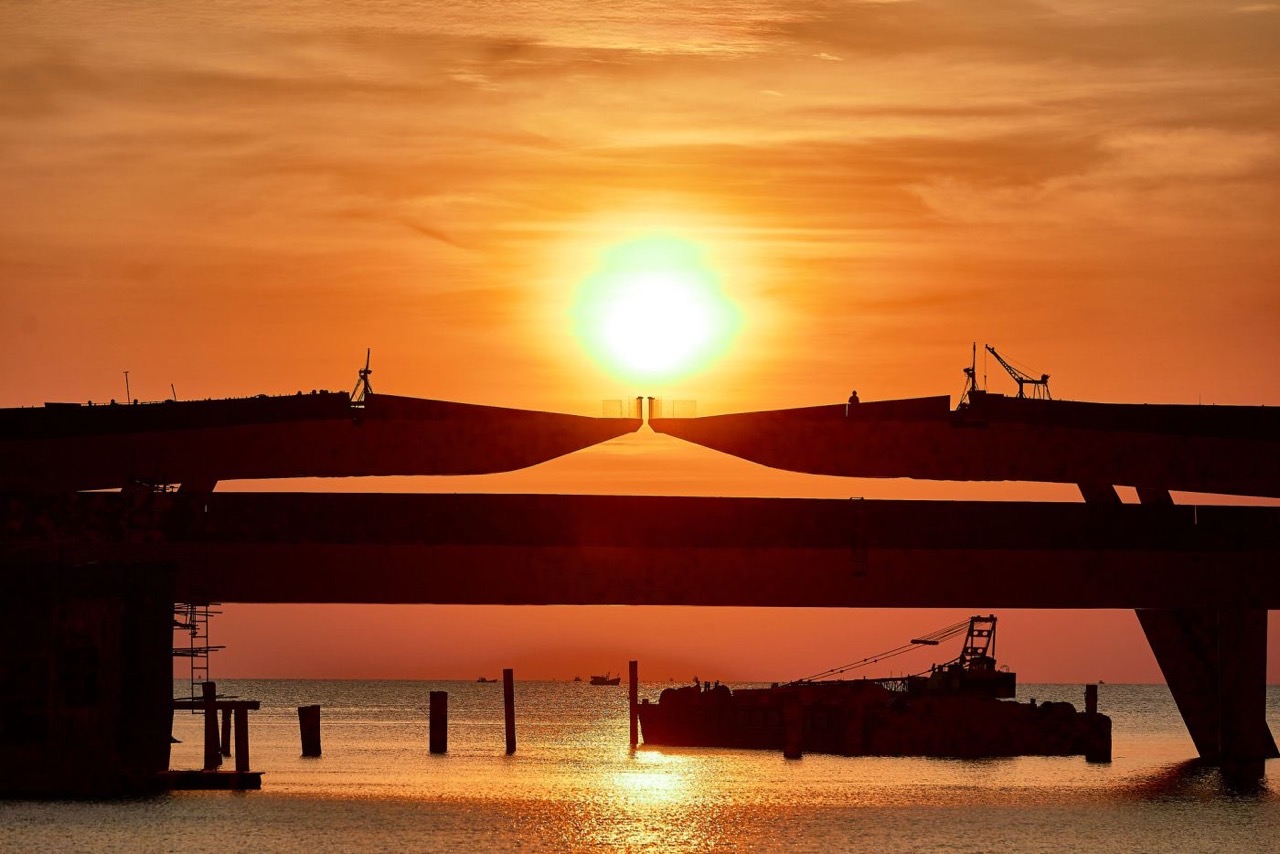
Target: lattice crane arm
{"type": "Point", "coordinates": [1013, 372]}
{"type": "Point", "coordinates": [1020, 377]}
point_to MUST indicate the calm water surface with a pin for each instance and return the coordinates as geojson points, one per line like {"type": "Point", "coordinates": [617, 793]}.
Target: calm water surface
{"type": "Point", "coordinates": [573, 784]}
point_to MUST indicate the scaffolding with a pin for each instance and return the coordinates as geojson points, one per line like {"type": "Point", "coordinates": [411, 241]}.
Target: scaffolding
{"type": "Point", "coordinates": [192, 619]}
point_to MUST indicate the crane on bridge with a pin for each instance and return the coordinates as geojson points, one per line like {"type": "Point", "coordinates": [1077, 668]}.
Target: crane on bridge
{"type": "Point", "coordinates": [970, 378]}
{"type": "Point", "coordinates": [363, 387]}
{"type": "Point", "coordinates": [1039, 387]}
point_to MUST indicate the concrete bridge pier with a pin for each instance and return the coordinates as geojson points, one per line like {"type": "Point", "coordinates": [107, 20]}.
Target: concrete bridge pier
{"type": "Point", "coordinates": [1215, 663]}
{"type": "Point", "coordinates": [86, 680]}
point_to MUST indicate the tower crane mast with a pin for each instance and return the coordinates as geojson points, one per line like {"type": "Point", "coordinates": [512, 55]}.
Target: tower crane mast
{"type": "Point", "coordinates": [1039, 387]}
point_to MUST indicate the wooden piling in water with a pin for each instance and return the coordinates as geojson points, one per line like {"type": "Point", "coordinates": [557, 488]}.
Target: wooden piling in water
{"type": "Point", "coordinates": [212, 745]}
{"type": "Point", "coordinates": [438, 722]}
{"type": "Point", "coordinates": [226, 732]}
{"type": "Point", "coordinates": [509, 707]}
{"type": "Point", "coordinates": [1091, 699]}
{"type": "Point", "coordinates": [242, 739]}
{"type": "Point", "coordinates": [238, 729]}
{"type": "Point", "coordinates": [309, 729]}
{"type": "Point", "coordinates": [633, 693]}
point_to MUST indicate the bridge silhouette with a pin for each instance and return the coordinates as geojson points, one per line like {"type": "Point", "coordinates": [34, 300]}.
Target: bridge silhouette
{"type": "Point", "coordinates": [90, 577]}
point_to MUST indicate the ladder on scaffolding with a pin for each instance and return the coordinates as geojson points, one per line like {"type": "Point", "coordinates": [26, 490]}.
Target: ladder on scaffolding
{"type": "Point", "coordinates": [192, 619]}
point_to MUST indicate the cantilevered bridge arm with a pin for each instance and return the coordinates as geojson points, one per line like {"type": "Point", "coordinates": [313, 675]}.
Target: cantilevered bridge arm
{"type": "Point", "coordinates": [199, 443]}
{"type": "Point", "coordinates": [1212, 449]}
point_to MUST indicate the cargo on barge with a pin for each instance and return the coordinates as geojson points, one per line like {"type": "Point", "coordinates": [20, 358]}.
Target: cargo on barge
{"type": "Point", "coordinates": [963, 708]}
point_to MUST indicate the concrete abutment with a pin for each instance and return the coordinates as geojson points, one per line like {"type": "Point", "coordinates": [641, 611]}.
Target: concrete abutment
{"type": "Point", "coordinates": [86, 680]}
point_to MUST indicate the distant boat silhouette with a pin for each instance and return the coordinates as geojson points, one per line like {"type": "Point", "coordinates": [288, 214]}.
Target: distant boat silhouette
{"type": "Point", "coordinates": [606, 679]}
{"type": "Point", "coordinates": [577, 679]}
{"type": "Point", "coordinates": [482, 679]}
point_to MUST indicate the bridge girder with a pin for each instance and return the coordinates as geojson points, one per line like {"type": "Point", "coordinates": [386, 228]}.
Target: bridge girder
{"type": "Point", "coordinates": [766, 552]}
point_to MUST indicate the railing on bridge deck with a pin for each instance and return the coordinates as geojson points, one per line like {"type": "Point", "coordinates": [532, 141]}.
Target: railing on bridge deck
{"type": "Point", "coordinates": [660, 407]}
{"type": "Point", "coordinates": [624, 408]}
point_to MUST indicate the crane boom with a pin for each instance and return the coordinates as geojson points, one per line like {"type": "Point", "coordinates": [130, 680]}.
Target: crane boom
{"type": "Point", "coordinates": [1039, 387]}
{"type": "Point", "coordinates": [363, 387]}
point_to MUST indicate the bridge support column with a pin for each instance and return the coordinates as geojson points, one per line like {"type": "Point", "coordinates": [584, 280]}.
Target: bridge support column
{"type": "Point", "coordinates": [86, 680]}
{"type": "Point", "coordinates": [1215, 663]}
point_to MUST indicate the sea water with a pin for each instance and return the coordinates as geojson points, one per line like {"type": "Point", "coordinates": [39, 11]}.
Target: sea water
{"type": "Point", "coordinates": [574, 784]}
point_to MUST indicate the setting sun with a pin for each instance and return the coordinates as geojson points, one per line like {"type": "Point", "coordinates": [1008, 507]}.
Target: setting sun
{"type": "Point", "coordinates": [653, 310]}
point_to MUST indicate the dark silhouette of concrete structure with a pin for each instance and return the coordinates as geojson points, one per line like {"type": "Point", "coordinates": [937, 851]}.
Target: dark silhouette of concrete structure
{"type": "Point", "coordinates": [60, 447]}
{"type": "Point", "coordinates": [1229, 450]}
{"type": "Point", "coordinates": [85, 669]}
{"type": "Point", "coordinates": [643, 550]}
{"type": "Point", "coordinates": [89, 578]}
{"type": "Point", "coordinates": [1213, 655]}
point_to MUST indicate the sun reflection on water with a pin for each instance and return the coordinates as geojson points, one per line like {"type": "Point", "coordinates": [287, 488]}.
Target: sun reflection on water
{"type": "Point", "coordinates": [660, 780]}
{"type": "Point", "coordinates": [574, 785]}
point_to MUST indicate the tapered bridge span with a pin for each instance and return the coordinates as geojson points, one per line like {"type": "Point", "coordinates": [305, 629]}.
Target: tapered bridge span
{"type": "Point", "coordinates": [196, 444]}
{"type": "Point", "coordinates": [1229, 450]}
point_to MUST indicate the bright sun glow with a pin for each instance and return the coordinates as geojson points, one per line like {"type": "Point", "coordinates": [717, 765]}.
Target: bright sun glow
{"type": "Point", "coordinates": [653, 310]}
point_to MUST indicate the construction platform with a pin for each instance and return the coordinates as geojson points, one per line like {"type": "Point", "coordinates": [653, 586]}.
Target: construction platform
{"type": "Point", "coordinates": [212, 780]}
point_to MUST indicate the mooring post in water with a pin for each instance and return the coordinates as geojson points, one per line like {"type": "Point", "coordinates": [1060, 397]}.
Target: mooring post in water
{"type": "Point", "coordinates": [242, 739]}
{"type": "Point", "coordinates": [1095, 728]}
{"type": "Point", "coordinates": [212, 747]}
{"type": "Point", "coordinates": [793, 721]}
{"type": "Point", "coordinates": [226, 732]}
{"type": "Point", "coordinates": [633, 692]}
{"type": "Point", "coordinates": [509, 707]}
{"type": "Point", "coordinates": [309, 728]}
{"type": "Point", "coordinates": [438, 722]}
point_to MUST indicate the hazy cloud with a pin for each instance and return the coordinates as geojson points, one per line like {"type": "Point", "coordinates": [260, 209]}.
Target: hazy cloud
{"type": "Point", "coordinates": [1024, 30]}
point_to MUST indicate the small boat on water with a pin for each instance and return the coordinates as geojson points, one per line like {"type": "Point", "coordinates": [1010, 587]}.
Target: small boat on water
{"type": "Point", "coordinates": [606, 679]}
{"type": "Point", "coordinates": [483, 679]}
{"type": "Point", "coordinates": [959, 709]}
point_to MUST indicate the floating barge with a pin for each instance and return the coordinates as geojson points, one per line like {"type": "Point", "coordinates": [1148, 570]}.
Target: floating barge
{"type": "Point", "coordinates": [962, 709]}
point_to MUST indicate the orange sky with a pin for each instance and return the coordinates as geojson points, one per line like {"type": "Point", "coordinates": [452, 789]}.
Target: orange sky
{"type": "Point", "coordinates": [239, 200]}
